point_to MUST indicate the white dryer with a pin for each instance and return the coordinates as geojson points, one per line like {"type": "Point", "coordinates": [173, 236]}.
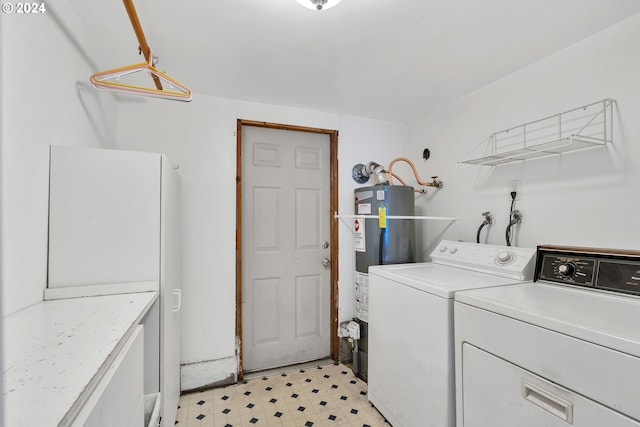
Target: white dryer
{"type": "Point", "coordinates": [411, 378]}
{"type": "Point", "coordinates": [562, 351]}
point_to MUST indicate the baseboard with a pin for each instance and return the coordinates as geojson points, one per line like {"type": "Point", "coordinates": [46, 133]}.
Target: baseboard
{"type": "Point", "coordinates": [208, 374]}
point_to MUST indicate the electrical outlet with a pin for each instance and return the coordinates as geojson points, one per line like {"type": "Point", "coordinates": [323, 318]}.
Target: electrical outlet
{"type": "Point", "coordinates": [515, 185]}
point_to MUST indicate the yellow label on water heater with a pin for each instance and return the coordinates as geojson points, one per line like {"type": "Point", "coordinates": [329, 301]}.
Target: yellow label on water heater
{"type": "Point", "coordinates": [382, 217]}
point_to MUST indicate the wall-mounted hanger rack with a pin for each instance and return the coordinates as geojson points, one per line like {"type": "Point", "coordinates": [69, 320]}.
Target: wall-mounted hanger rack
{"type": "Point", "coordinates": [110, 79]}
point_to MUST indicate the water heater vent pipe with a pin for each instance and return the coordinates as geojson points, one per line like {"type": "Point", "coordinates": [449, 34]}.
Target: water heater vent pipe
{"type": "Point", "coordinates": [361, 173]}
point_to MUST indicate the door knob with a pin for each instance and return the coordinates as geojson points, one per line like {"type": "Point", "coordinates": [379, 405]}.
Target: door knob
{"type": "Point", "coordinates": [326, 262]}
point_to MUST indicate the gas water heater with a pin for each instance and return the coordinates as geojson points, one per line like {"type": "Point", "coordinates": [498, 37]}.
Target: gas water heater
{"type": "Point", "coordinates": [379, 241]}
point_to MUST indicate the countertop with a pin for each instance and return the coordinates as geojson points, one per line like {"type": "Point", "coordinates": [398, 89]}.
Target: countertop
{"type": "Point", "coordinates": [57, 351]}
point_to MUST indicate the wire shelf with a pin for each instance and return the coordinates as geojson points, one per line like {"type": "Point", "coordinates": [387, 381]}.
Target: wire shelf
{"type": "Point", "coordinates": [582, 128]}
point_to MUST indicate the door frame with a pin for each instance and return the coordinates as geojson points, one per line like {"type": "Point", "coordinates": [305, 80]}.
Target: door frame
{"type": "Point", "coordinates": [333, 207]}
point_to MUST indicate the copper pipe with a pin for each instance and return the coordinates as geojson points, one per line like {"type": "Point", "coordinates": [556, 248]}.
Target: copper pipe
{"type": "Point", "coordinates": [415, 190]}
{"type": "Point", "coordinates": [144, 46]}
{"type": "Point", "coordinates": [434, 183]}
{"type": "Point", "coordinates": [398, 178]}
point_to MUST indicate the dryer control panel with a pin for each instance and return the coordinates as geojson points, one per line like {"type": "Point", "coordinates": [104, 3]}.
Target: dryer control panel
{"type": "Point", "coordinates": [605, 269]}
{"type": "Point", "coordinates": [567, 269]}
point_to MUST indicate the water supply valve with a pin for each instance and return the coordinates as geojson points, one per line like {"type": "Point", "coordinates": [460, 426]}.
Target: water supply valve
{"type": "Point", "coordinates": [488, 219]}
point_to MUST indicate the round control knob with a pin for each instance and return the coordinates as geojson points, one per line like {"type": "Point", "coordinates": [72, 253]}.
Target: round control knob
{"type": "Point", "coordinates": [453, 250]}
{"type": "Point", "coordinates": [443, 249]}
{"type": "Point", "coordinates": [567, 269]}
{"type": "Point", "coordinates": [504, 257]}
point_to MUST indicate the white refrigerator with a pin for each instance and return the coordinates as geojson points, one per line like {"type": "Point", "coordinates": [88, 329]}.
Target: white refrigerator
{"type": "Point", "coordinates": [114, 227]}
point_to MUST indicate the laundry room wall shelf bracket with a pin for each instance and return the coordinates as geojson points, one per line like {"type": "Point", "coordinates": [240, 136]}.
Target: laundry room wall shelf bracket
{"type": "Point", "coordinates": [585, 127]}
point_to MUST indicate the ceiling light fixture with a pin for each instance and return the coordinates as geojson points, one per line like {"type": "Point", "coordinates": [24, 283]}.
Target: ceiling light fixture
{"type": "Point", "coordinates": [318, 4]}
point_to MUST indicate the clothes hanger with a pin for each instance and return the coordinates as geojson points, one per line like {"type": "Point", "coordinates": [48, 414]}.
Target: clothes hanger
{"type": "Point", "coordinates": [110, 79]}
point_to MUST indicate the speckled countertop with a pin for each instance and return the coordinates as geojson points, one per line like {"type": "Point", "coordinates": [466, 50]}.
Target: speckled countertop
{"type": "Point", "coordinates": [56, 351]}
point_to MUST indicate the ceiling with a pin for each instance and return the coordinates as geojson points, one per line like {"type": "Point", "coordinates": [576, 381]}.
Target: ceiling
{"type": "Point", "coordinates": [383, 59]}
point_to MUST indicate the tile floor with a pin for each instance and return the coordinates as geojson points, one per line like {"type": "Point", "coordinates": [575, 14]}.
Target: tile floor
{"type": "Point", "coordinates": [317, 396]}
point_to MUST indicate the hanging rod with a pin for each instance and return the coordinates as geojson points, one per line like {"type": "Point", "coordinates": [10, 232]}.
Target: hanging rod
{"type": "Point", "coordinates": [436, 218]}
{"type": "Point", "coordinates": [142, 40]}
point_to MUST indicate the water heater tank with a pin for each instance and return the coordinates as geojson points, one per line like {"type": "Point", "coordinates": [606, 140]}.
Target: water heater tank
{"type": "Point", "coordinates": [394, 244]}
{"type": "Point", "coordinates": [379, 242]}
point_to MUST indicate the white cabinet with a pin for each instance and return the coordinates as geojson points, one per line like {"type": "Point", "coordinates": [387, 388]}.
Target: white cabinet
{"type": "Point", "coordinates": [114, 228]}
{"type": "Point", "coordinates": [118, 400]}
{"type": "Point", "coordinates": [104, 217]}
{"type": "Point", "coordinates": [79, 359]}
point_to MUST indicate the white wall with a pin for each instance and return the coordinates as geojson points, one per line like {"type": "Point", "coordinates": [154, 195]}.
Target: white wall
{"type": "Point", "coordinates": [588, 198]}
{"type": "Point", "coordinates": [45, 100]}
{"type": "Point", "coordinates": [200, 138]}
{"type": "Point", "coordinates": [45, 64]}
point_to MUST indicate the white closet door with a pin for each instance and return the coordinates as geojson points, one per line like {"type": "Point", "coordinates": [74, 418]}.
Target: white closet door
{"type": "Point", "coordinates": [286, 219]}
{"type": "Point", "coordinates": [104, 217]}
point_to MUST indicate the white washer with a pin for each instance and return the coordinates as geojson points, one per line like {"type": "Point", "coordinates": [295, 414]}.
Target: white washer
{"type": "Point", "coordinates": [411, 378]}
{"type": "Point", "coordinates": [556, 352]}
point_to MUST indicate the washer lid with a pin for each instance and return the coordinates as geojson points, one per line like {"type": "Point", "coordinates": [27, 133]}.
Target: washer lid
{"type": "Point", "coordinates": [437, 279]}
{"type": "Point", "coordinates": [606, 319]}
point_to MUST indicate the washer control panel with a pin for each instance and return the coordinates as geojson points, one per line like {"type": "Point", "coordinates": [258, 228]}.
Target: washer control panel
{"type": "Point", "coordinates": [605, 269]}
{"type": "Point", "coordinates": [506, 261]}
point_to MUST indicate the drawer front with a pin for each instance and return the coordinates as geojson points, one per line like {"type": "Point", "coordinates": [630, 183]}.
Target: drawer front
{"type": "Point", "coordinates": [119, 397]}
{"type": "Point", "coordinates": [499, 394]}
